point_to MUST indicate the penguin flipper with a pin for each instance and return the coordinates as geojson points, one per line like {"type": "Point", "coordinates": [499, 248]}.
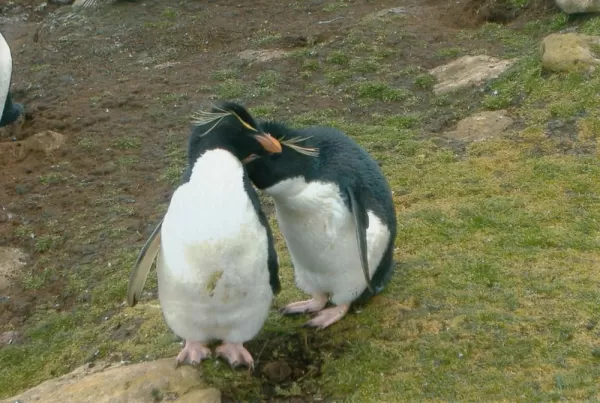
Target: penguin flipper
{"type": "Point", "coordinates": [142, 266]}
{"type": "Point", "coordinates": [272, 260]}
{"type": "Point", "coordinates": [361, 223]}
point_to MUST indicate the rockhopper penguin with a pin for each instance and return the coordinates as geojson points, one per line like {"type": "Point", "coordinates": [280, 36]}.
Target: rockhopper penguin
{"type": "Point", "coordinates": [9, 111]}
{"type": "Point", "coordinates": [217, 266]}
{"type": "Point", "coordinates": [337, 216]}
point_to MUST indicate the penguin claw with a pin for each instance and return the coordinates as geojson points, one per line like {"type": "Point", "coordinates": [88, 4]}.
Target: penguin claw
{"type": "Point", "coordinates": [315, 304]}
{"type": "Point", "coordinates": [193, 353]}
{"type": "Point", "coordinates": [236, 355]}
{"type": "Point", "coordinates": [327, 317]}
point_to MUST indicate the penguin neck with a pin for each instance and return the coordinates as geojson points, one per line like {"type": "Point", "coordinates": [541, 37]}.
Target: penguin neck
{"type": "Point", "coordinates": [216, 164]}
{"type": "Point", "coordinates": [5, 72]}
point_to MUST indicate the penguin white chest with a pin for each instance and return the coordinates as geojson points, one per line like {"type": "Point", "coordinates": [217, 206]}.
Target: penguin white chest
{"type": "Point", "coordinates": [320, 235]}
{"type": "Point", "coordinates": [213, 278]}
{"type": "Point", "coordinates": [5, 71]}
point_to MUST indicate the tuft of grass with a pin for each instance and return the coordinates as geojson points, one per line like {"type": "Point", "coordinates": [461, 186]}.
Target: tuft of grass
{"type": "Point", "coordinates": [338, 57]}
{"type": "Point", "coordinates": [268, 80]}
{"type": "Point", "coordinates": [337, 77]}
{"type": "Point", "coordinates": [310, 65]}
{"type": "Point", "coordinates": [336, 5]}
{"type": "Point", "coordinates": [225, 74]}
{"type": "Point", "coordinates": [45, 243]}
{"type": "Point", "coordinates": [449, 52]}
{"type": "Point", "coordinates": [173, 99]}
{"type": "Point", "coordinates": [170, 13]}
{"type": "Point", "coordinates": [377, 90]}
{"type": "Point", "coordinates": [231, 89]}
{"type": "Point", "coordinates": [39, 67]}
{"type": "Point", "coordinates": [425, 81]}
{"type": "Point", "coordinates": [127, 143]}
{"type": "Point", "coordinates": [52, 178]}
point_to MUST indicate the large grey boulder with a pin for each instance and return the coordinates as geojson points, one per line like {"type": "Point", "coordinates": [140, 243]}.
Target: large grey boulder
{"type": "Point", "coordinates": [579, 6]}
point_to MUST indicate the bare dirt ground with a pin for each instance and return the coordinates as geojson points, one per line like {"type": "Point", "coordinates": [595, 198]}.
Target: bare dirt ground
{"type": "Point", "coordinates": [121, 81]}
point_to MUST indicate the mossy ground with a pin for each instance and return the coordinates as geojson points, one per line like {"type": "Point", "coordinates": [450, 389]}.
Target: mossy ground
{"type": "Point", "coordinates": [495, 295]}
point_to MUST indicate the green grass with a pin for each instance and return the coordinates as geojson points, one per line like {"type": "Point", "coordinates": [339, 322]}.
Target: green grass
{"type": "Point", "coordinates": [380, 91]}
{"type": "Point", "coordinates": [495, 294]}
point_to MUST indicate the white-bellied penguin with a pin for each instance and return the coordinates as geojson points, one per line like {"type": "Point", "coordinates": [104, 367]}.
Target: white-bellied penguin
{"type": "Point", "coordinates": [9, 111]}
{"type": "Point", "coordinates": [336, 213]}
{"type": "Point", "coordinates": [217, 265]}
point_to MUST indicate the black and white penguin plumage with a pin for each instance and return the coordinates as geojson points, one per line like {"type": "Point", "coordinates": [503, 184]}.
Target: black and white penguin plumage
{"type": "Point", "coordinates": [9, 111]}
{"type": "Point", "coordinates": [337, 216]}
{"type": "Point", "coordinates": [217, 265]}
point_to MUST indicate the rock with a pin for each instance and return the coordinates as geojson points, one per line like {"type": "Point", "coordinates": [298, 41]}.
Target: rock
{"type": "Point", "coordinates": [395, 10]}
{"type": "Point", "coordinates": [579, 6]}
{"type": "Point", "coordinates": [481, 126]}
{"type": "Point", "coordinates": [45, 142]}
{"type": "Point", "coordinates": [262, 55]}
{"type": "Point", "coordinates": [468, 71]}
{"type": "Point", "coordinates": [105, 169]}
{"type": "Point", "coordinates": [569, 52]}
{"type": "Point", "coordinates": [11, 260]}
{"type": "Point", "coordinates": [10, 337]}
{"type": "Point", "coordinates": [277, 371]}
{"type": "Point", "coordinates": [120, 383]}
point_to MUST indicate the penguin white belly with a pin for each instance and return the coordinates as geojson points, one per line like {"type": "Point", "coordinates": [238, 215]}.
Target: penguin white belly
{"type": "Point", "coordinates": [213, 280]}
{"type": "Point", "coordinates": [5, 72]}
{"type": "Point", "coordinates": [320, 235]}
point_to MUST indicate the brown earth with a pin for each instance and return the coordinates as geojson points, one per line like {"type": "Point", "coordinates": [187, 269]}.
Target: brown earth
{"type": "Point", "coordinates": [102, 79]}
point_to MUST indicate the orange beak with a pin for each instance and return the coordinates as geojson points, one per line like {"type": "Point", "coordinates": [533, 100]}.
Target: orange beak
{"type": "Point", "coordinates": [268, 142]}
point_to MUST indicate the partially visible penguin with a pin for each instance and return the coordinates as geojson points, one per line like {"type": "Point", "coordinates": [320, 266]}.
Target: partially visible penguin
{"type": "Point", "coordinates": [93, 3]}
{"type": "Point", "coordinates": [9, 111]}
{"type": "Point", "coordinates": [336, 213]}
{"type": "Point", "coordinates": [217, 265]}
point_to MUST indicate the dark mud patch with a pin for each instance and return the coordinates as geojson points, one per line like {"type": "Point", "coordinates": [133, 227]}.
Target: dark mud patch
{"type": "Point", "coordinates": [473, 13]}
{"type": "Point", "coordinates": [289, 367]}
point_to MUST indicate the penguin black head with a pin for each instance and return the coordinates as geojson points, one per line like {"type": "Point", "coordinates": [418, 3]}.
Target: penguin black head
{"type": "Point", "coordinates": [230, 126]}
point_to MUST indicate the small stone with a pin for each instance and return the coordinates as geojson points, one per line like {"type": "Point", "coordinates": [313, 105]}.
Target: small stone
{"type": "Point", "coordinates": [481, 126]}
{"type": "Point", "coordinates": [10, 337]}
{"type": "Point", "coordinates": [262, 55]}
{"type": "Point", "coordinates": [394, 10]}
{"type": "Point", "coordinates": [105, 169]}
{"type": "Point", "coordinates": [468, 71]}
{"type": "Point", "coordinates": [277, 371]}
{"type": "Point", "coordinates": [11, 260]}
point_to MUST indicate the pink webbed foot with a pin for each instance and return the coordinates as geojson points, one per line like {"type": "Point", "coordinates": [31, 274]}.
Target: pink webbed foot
{"type": "Point", "coordinates": [328, 316]}
{"type": "Point", "coordinates": [235, 354]}
{"type": "Point", "coordinates": [315, 304]}
{"type": "Point", "coordinates": [192, 353]}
